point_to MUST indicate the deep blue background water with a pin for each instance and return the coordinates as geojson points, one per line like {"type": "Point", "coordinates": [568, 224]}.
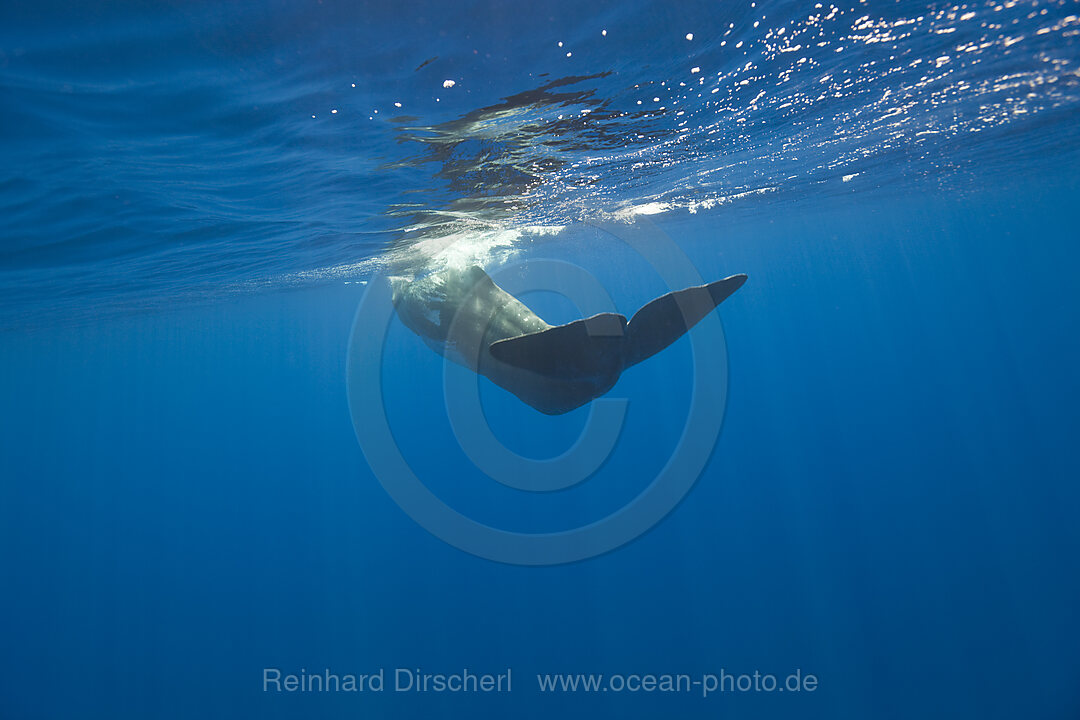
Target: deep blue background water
{"type": "Point", "coordinates": [891, 505]}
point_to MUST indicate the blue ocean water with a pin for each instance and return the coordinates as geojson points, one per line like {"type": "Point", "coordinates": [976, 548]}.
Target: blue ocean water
{"type": "Point", "coordinates": [197, 197]}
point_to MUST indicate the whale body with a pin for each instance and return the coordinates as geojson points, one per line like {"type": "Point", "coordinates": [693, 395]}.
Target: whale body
{"type": "Point", "coordinates": [463, 315]}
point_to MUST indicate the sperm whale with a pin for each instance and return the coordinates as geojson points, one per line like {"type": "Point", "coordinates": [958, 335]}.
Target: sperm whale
{"type": "Point", "coordinates": [463, 315]}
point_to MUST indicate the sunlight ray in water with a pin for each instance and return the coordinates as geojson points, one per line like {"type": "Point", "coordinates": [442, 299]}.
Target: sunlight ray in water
{"type": "Point", "coordinates": [678, 349]}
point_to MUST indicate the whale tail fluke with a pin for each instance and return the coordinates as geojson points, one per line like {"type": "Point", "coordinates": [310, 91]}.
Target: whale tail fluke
{"type": "Point", "coordinates": [667, 318]}
{"type": "Point", "coordinates": [580, 349]}
{"type": "Point", "coordinates": [597, 349]}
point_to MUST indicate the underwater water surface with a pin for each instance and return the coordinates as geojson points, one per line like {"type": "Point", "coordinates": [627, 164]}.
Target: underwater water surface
{"type": "Point", "coordinates": [197, 198]}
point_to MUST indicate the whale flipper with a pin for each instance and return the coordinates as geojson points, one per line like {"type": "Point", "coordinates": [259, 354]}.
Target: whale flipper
{"type": "Point", "coordinates": [668, 317]}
